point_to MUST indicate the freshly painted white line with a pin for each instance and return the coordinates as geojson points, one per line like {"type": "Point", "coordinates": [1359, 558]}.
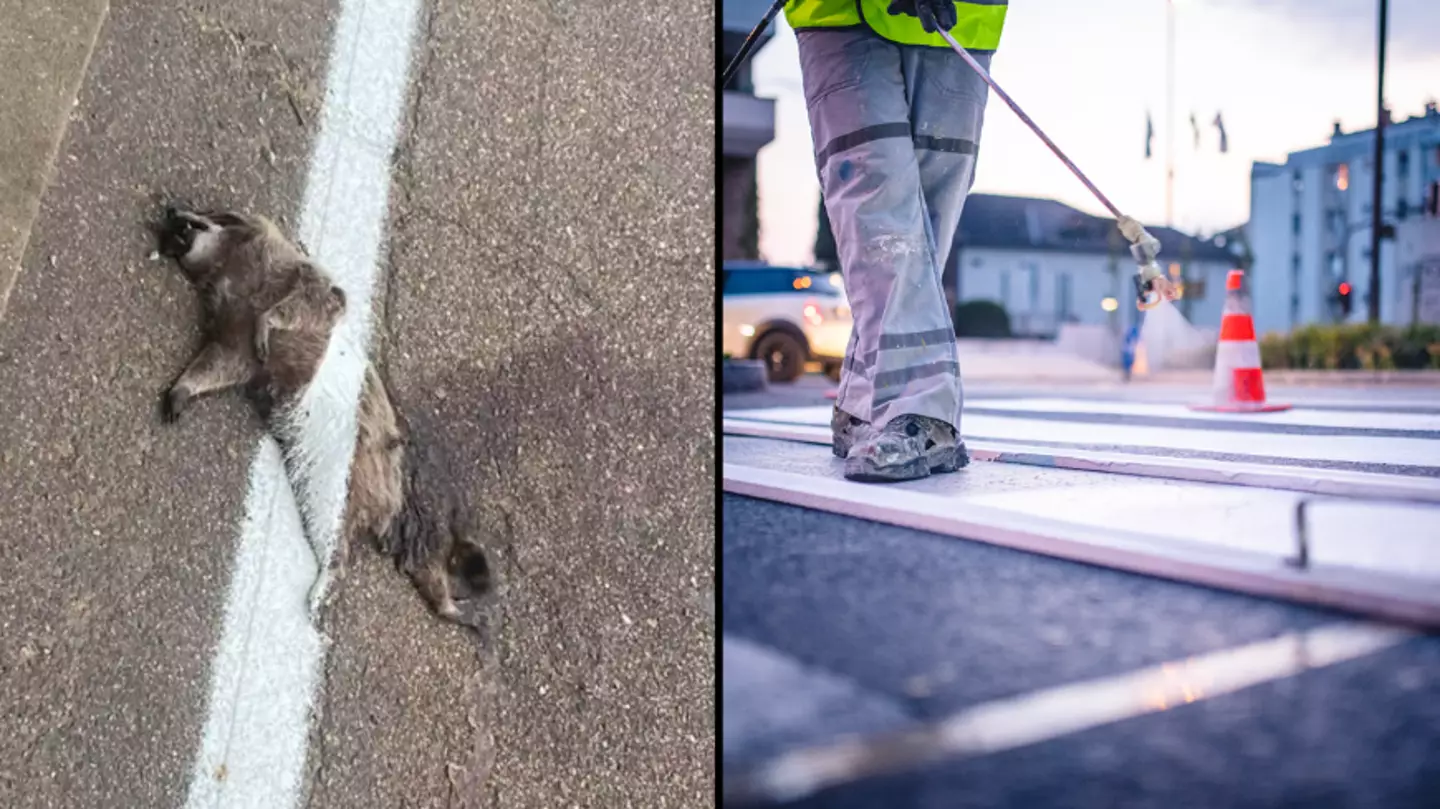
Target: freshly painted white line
{"type": "Point", "coordinates": [1036, 717]}
{"type": "Point", "coordinates": [1380, 536]}
{"type": "Point", "coordinates": [1299, 416]}
{"type": "Point", "coordinates": [253, 746]}
{"type": "Point", "coordinates": [1329, 482]}
{"type": "Point", "coordinates": [1154, 542]}
{"type": "Point", "coordinates": [1346, 448]}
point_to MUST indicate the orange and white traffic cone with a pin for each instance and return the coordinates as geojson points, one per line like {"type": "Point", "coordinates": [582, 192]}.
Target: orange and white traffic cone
{"type": "Point", "coordinates": [1239, 385]}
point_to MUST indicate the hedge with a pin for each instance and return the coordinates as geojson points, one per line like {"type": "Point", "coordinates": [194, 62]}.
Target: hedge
{"type": "Point", "coordinates": [1353, 346]}
{"type": "Point", "coordinates": [981, 319]}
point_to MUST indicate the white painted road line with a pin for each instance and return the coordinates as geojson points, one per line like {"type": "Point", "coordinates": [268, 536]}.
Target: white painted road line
{"type": "Point", "coordinates": [1298, 417]}
{"type": "Point", "coordinates": [1027, 719]}
{"type": "Point", "coordinates": [1358, 449]}
{"type": "Point", "coordinates": [1157, 542]}
{"type": "Point", "coordinates": [253, 746]}
{"type": "Point", "coordinates": [1329, 482]}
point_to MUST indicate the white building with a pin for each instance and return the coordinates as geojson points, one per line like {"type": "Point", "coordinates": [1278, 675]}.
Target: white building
{"type": "Point", "coordinates": [1049, 264]}
{"type": "Point", "coordinates": [1417, 253]}
{"type": "Point", "coordinates": [1310, 223]}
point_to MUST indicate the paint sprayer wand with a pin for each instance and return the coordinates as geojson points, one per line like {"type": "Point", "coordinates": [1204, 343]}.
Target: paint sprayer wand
{"type": "Point", "coordinates": [749, 42]}
{"type": "Point", "coordinates": [1151, 285]}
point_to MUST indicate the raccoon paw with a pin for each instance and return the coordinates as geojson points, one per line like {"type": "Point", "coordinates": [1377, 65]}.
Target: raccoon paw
{"type": "Point", "coordinates": [262, 345]}
{"type": "Point", "coordinates": [173, 404]}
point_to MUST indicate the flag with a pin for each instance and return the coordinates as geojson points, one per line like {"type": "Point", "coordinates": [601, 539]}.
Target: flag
{"type": "Point", "coordinates": [1149, 134]}
{"type": "Point", "coordinates": [1220, 125]}
{"type": "Point", "coordinates": [1194, 126]}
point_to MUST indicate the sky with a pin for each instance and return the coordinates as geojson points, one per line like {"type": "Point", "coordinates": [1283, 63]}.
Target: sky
{"type": "Point", "coordinates": [1281, 72]}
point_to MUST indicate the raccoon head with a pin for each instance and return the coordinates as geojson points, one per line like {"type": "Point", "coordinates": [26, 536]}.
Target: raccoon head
{"type": "Point", "coordinates": [200, 240]}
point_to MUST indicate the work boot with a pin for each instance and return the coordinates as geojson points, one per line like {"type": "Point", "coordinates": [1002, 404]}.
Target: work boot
{"type": "Point", "coordinates": [908, 448]}
{"type": "Point", "coordinates": [845, 430]}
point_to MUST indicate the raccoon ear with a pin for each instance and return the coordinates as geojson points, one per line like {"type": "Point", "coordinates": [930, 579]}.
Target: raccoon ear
{"type": "Point", "coordinates": [337, 297]}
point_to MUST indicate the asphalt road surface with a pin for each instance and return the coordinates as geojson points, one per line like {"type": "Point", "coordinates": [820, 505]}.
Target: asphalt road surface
{"type": "Point", "coordinates": [543, 170]}
{"type": "Point", "coordinates": [869, 665]}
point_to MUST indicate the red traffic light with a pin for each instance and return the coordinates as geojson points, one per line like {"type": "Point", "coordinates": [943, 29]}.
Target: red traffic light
{"type": "Point", "coordinates": [1344, 288]}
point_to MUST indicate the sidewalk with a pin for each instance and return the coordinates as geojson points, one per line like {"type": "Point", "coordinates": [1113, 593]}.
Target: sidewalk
{"type": "Point", "coordinates": [1306, 378]}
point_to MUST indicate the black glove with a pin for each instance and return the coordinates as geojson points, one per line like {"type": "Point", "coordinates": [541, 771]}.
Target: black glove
{"type": "Point", "coordinates": [930, 12]}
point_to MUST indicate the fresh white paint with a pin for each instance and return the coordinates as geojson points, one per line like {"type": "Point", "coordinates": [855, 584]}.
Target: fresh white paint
{"type": "Point", "coordinates": [1345, 448]}
{"type": "Point", "coordinates": [1170, 532]}
{"type": "Point", "coordinates": [1299, 416]}
{"type": "Point", "coordinates": [1310, 480]}
{"type": "Point", "coordinates": [253, 746]}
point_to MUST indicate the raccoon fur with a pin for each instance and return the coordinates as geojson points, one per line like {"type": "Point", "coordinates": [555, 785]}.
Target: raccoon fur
{"type": "Point", "coordinates": [268, 312]}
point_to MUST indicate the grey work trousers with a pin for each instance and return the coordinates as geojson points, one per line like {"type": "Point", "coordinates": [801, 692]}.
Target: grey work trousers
{"type": "Point", "coordinates": [896, 130]}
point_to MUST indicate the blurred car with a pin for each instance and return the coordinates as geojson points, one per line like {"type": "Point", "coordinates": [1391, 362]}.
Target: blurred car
{"type": "Point", "coordinates": [786, 316]}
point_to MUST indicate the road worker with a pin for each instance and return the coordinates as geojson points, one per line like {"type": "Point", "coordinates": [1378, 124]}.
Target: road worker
{"type": "Point", "coordinates": [895, 117]}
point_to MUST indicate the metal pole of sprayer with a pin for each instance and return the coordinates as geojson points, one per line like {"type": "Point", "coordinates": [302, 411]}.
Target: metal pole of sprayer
{"type": "Point", "coordinates": [970, 60]}
{"type": "Point", "coordinates": [749, 43]}
{"type": "Point", "coordinates": [1144, 247]}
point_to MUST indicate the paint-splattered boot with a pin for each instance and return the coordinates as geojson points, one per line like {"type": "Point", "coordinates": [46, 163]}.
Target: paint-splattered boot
{"type": "Point", "coordinates": [845, 430]}
{"type": "Point", "coordinates": [908, 448]}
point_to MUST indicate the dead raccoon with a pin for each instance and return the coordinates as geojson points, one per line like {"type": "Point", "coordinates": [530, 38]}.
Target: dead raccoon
{"type": "Point", "coordinates": [268, 310]}
{"type": "Point", "coordinates": [268, 314]}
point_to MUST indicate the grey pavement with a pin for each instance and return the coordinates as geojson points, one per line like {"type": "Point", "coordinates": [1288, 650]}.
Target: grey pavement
{"type": "Point", "coordinates": [858, 628]}
{"type": "Point", "coordinates": [547, 300]}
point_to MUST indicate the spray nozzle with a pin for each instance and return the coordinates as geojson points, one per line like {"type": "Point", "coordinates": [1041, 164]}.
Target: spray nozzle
{"type": "Point", "coordinates": [1151, 285]}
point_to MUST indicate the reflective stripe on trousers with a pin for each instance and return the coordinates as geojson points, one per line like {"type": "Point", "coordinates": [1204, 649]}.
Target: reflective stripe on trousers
{"type": "Point", "coordinates": [896, 131]}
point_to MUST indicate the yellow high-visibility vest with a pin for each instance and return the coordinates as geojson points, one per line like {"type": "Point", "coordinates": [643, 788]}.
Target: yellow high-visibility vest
{"type": "Point", "coordinates": [977, 27]}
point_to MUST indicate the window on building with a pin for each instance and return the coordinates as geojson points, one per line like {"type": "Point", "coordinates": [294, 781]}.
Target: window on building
{"type": "Point", "coordinates": [1195, 289]}
{"type": "Point", "coordinates": [1062, 295]}
{"type": "Point", "coordinates": [1296, 184]}
{"type": "Point", "coordinates": [1295, 223]}
{"type": "Point", "coordinates": [1342, 176]}
{"type": "Point", "coordinates": [1402, 209]}
{"type": "Point", "coordinates": [1294, 307]}
{"type": "Point", "coordinates": [1402, 163]}
{"type": "Point", "coordinates": [1295, 265]}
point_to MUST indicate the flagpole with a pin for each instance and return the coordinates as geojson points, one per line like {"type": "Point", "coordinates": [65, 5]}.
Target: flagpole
{"type": "Point", "coordinates": [1373, 309]}
{"type": "Point", "coordinates": [1169, 113]}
